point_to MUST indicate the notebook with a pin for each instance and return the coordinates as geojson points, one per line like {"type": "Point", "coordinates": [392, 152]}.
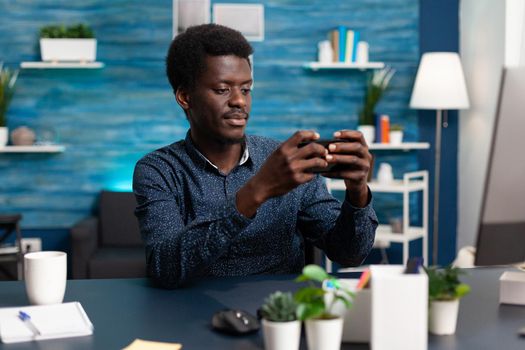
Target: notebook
{"type": "Point", "coordinates": [53, 321]}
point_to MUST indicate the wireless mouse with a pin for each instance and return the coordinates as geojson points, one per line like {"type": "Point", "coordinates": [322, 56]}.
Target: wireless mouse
{"type": "Point", "coordinates": [236, 322]}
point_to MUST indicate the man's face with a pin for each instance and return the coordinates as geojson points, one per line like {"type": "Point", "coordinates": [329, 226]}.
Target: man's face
{"type": "Point", "coordinates": [220, 103]}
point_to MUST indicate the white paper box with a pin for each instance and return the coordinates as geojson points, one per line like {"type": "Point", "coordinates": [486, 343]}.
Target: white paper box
{"type": "Point", "coordinates": [68, 50]}
{"type": "Point", "coordinates": [357, 319]}
{"type": "Point", "coordinates": [512, 288]}
{"type": "Point", "coordinates": [399, 309]}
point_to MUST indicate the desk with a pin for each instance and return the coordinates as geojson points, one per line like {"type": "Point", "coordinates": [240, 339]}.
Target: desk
{"type": "Point", "coordinates": [125, 309]}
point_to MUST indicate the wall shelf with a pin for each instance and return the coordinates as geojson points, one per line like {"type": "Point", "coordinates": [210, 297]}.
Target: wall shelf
{"type": "Point", "coordinates": [33, 149]}
{"type": "Point", "coordinates": [61, 65]}
{"type": "Point", "coordinates": [343, 65]}
{"type": "Point", "coordinates": [406, 146]}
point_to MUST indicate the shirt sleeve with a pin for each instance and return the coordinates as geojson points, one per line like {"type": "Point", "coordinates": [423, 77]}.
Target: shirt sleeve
{"type": "Point", "coordinates": [345, 233]}
{"type": "Point", "coordinates": [175, 252]}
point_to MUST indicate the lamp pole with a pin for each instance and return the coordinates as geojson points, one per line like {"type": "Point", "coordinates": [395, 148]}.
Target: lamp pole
{"type": "Point", "coordinates": [437, 168]}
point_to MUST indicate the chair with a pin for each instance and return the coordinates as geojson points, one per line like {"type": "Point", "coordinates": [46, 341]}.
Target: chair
{"type": "Point", "coordinates": [8, 253]}
{"type": "Point", "coordinates": [109, 245]}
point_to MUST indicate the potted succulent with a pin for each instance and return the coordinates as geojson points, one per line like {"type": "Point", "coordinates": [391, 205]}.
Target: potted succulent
{"type": "Point", "coordinates": [375, 88]}
{"type": "Point", "coordinates": [444, 292]}
{"type": "Point", "coordinates": [7, 89]}
{"type": "Point", "coordinates": [396, 134]}
{"type": "Point", "coordinates": [75, 43]}
{"type": "Point", "coordinates": [324, 328]}
{"type": "Point", "coordinates": [282, 330]}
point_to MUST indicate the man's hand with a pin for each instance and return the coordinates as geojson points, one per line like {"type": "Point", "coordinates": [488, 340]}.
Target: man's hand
{"type": "Point", "coordinates": [356, 159]}
{"type": "Point", "coordinates": [285, 169]}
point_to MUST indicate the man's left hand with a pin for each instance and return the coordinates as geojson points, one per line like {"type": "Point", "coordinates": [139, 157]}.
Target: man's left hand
{"type": "Point", "coordinates": [353, 154]}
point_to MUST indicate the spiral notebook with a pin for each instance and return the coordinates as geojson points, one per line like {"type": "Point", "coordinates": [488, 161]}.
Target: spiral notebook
{"type": "Point", "coordinates": [52, 321]}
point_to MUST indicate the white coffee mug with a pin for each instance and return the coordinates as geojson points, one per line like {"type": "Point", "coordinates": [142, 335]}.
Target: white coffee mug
{"type": "Point", "coordinates": [45, 276]}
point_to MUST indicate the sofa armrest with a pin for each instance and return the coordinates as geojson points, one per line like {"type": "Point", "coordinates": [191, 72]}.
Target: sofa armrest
{"type": "Point", "coordinates": [84, 242]}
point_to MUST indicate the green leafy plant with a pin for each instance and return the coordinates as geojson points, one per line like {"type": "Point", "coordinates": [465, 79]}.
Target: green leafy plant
{"type": "Point", "coordinates": [7, 90]}
{"type": "Point", "coordinates": [318, 298]}
{"type": "Point", "coordinates": [444, 284]}
{"type": "Point", "coordinates": [279, 307]}
{"type": "Point", "coordinates": [375, 88]}
{"type": "Point", "coordinates": [75, 31]}
{"type": "Point", "coordinates": [396, 127]}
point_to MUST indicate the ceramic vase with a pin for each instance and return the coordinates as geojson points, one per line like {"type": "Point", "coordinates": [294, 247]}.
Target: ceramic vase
{"type": "Point", "coordinates": [4, 135]}
{"type": "Point", "coordinates": [281, 335]}
{"type": "Point", "coordinates": [443, 316]}
{"type": "Point", "coordinates": [68, 50]}
{"type": "Point", "coordinates": [396, 137]}
{"type": "Point", "coordinates": [324, 334]}
{"type": "Point", "coordinates": [369, 133]}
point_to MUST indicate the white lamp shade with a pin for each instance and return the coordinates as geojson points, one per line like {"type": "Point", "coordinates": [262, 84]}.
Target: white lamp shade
{"type": "Point", "coordinates": [440, 83]}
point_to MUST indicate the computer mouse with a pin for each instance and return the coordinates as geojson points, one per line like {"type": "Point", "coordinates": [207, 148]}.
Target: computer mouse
{"type": "Point", "coordinates": [236, 322]}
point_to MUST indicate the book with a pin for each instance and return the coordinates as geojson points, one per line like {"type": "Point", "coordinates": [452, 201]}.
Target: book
{"type": "Point", "coordinates": [334, 40]}
{"type": "Point", "coordinates": [342, 43]}
{"type": "Point", "coordinates": [349, 45]}
{"type": "Point", "coordinates": [52, 321]}
{"type": "Point", "coordinates": [377, 123]}
{"type": "Point", "coordinates": [357, 37]}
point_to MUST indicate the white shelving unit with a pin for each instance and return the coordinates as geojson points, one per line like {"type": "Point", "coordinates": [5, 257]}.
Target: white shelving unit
{"type": "Point", "coordinates": [61, 65]}
{"type": "Point", "coordinates": [343, 65]}
{"type": "Point", "coordinates": [405, 146]}
{"type": "Point", "coordinates": [33, 149]}
{"type": "Point", "coordinates": [411, 182]}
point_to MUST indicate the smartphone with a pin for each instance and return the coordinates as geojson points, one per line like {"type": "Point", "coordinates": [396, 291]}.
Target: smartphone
{"type": "Point", "coordinates": [325, 143]}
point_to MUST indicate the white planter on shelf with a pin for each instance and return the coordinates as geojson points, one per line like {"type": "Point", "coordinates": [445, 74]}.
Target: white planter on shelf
{"type": "Point", "coordinates": [4, 135]}
{"type": "Point", "coordinates": [443, 316]}
{"type": "Point", "coordinates": [281, 335]}
{"type": "Point", "coordinates": [369, 133]}
{"type": "Point", "coordinates": [324, 334]}
{"type": "Point", "coordinates": [68, 50]}
{"type": "Point", "coordinates": [396, 137]}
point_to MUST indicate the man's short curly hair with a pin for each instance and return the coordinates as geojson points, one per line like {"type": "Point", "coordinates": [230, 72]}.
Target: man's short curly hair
{"type": "Point", "coordinates": [188, 51]}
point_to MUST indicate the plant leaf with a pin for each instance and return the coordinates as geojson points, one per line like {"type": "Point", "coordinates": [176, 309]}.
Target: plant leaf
{"type": "Point", "coordinates": [315, 273]}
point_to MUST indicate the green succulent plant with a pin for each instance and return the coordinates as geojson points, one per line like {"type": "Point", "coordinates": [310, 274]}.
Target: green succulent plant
{"type": "Point", "coordinates": [444, 284]}
{"type": "Point", "coordinates": [396, 127]}
{"type": "Point", "coordinates": [279, 307]}
{"type": "Point", "coordinates": [318, 301]}
{"type": "Point", "coordinates": [7, 90]}
{"type": "Point", "coordinates": [75, 31]}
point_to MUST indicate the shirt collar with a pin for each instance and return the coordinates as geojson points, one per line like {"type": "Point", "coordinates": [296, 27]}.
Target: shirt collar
{"type": "Point", "coordinates": [195, 152]}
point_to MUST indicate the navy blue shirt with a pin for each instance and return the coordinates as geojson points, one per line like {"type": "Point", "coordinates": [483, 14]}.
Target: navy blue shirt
{"type": "Point", "coordinates": [191, 226]}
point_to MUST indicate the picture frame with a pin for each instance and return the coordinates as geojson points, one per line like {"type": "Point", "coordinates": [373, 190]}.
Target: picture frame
{"type": "Point", "coordinates": [246, 18]}
{"type": "Point", "coordinates": [187, 13]}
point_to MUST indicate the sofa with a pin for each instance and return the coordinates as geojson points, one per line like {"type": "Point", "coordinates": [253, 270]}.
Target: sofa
{"type": "Point", "coordinates": [108, 244]}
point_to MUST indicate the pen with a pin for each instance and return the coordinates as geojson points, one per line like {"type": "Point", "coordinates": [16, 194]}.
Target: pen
{"type": "Point", "coordinates": [27, 320]}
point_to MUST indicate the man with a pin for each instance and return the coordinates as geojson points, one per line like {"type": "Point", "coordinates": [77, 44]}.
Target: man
{"type": "Point", "coordinates": [221, 203]}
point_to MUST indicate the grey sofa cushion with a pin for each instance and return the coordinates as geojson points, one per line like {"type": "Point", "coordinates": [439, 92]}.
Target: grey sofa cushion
{"type": "Point", "coordinates": [118, 263]}
{"type": "Point", "coordinates": [118, 225]}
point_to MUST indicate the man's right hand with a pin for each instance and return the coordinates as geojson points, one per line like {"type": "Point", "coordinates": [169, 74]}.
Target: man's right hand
{"type": "Point", "coordinates": [285, 169]}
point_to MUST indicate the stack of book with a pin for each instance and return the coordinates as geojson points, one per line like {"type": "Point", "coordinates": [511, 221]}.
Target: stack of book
{"type": "Point", "coordinates": [344, 44]}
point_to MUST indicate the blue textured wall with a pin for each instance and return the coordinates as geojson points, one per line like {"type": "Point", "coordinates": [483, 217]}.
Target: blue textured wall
{"type": "Point", "coordinates": [109, 118]}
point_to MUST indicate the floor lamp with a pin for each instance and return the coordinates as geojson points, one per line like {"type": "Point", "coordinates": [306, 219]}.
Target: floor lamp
{"type": "Point", "coordinates": [439, 85]}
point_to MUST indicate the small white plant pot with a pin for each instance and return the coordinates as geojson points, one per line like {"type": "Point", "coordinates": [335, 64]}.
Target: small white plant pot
{"type": "Point", "coordinates": [281, 335]}
{"type": "Point", "coordinates": [324, 334]}
{"type": "Point", "coordinates": [4, 136]}
{"type": "Point", "coordinates": [443, 317]}
{"type": "Point", "coordinates": [396, 137]}
{"type": "Point", "coordinates": [369, 133]}
{"type": "Point", "coordinates": [68, 50]}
